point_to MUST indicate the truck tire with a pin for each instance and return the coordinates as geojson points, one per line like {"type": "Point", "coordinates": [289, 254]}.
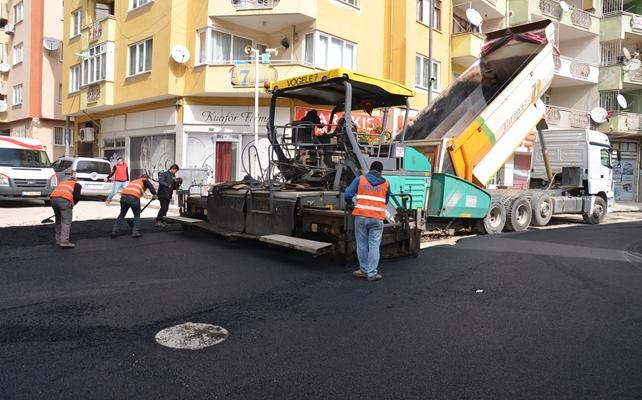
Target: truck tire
{"type": "Point", "coordinates": [518, 214]}
{"type": "Point", "coordinates": [494, 221]}
{"type": "Point", "coordinates": [598, 214]}
{"type": "Point", "coordinates": [542, 205]}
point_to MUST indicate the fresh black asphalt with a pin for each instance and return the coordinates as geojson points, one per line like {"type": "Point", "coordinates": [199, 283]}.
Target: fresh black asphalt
{"type": "Point", "coordinates": [553, 314]}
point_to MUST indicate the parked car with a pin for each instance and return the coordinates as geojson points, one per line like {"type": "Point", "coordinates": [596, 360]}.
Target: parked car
{"type": "Point", "coordinates": [91, 173]}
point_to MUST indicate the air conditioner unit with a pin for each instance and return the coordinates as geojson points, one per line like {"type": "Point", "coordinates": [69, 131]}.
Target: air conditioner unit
{"type": "Point", "coordinates": [86, 135]}
{"type": "Point", "coordinates": [9, 29]}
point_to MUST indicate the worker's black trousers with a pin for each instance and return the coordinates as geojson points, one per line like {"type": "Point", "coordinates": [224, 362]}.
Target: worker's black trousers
{"type": "Point", "coordinates": [164, 206]}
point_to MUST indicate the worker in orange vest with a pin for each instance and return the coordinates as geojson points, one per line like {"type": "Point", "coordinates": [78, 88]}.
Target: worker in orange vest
{"type": "Point", "coordinates": [369, 194]}
{"type": "Point", "coordinates": [63, 198]}
{"type": "Point", "coordinates": [130, 198]}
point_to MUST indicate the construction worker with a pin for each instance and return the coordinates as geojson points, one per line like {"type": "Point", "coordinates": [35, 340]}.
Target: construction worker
{"type": "Point", "coordinates": [63, 198]}
{"type": "Point", "coordinates": [130, 198]}
{"type": "Point", "coordinates": [167, 182]}
{"type": "Point", "coordinates": [371, 192]}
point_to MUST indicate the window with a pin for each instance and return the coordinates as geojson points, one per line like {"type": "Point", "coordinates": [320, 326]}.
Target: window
{"type": "Point", "coordinates": [88, 167]}
{"type": "Point", "coordinates": [76, 22]}
{"type": "Point", "coordinates": [137, 3]}
{"type": "Point", "coordinates": [59, 137]}
{"type": "Point", "coordinates": [19, 131]}
{"type": "Point", "coordinates": [423, 13]}
{"type": "Point", "coordinates": [140, 57]}
{"type": "Point", "coordinates": [351, 2]}
{"type": "Point", "coordinates": [325, 51]}
{"type": "Point", "coordinates": [605, 157]}
{"type": "Point", "coordinates": [217, 47]}
{"type": "Point", "coordinates": [17, 54]}
{"type": "Point", "coordinates": [17, 95]}
{"type": "Point", "coordinates": [18, 12]}
{"type": "Point", "coordinates": [421, 73]}
{"type": "Point", "coordinates": [74, 78]}
{"type": "Point", "coordinates": [95, 65]}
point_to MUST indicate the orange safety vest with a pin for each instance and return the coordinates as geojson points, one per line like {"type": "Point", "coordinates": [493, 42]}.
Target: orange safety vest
{"type": "Point", "coordinates": [135, 188]}
{"type": "Point", "coordinates": [370, 199]}
{"type": "Point", "coordinates": [65, 190]}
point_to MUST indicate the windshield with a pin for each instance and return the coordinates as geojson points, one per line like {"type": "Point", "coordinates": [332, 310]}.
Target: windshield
{"type": "Point", "coordinates": [24, 158]}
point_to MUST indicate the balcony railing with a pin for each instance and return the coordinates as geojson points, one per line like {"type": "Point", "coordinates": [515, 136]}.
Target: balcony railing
{"type": "Point", "coordinates": [254, 4]}
{"type": "Point", "coordinates": [562, 117]}
{"type": "Point", "coordinates": [553, 9]}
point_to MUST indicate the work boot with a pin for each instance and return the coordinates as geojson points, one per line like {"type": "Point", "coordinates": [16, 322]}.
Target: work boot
{"type": "Point", "coordinates": [375, 278]}
{"type": "Point", "coordinates": [359, 274]}
{"type": "Point", "coordinates": [67, 244]}
{"type": "Point", "coordinates": [159, 224]}
{"type": "Point", "coordinates": [113, 234]}
{"type": "Point", "coordinates": [137, 234]}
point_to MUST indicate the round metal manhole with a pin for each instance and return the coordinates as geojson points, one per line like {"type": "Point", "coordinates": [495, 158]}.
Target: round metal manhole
{"type": "Point", "coordinates": [191, 336]}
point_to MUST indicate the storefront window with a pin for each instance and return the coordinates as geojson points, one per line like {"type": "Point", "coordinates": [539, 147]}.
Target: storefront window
{"type": "Point", "coordinates": [151, 155]}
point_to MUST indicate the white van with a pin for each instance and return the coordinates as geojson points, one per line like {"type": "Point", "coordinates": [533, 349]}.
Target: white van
{"type": "Point", "coordinates": [25, 170]}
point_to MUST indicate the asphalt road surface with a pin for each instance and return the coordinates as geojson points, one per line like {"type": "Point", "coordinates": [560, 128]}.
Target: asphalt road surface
{"type": "Point", "coordinates": [548, 314]}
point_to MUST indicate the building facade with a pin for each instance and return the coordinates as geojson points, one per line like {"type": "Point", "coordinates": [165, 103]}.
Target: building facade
{"type": "Point", "coordinates": [170, 81]}
{"type": "Point", "coordinates": [31, 54]}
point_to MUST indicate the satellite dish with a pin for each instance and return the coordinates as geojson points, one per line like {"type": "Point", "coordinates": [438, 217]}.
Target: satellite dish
{"type": "Point", "coordinates": [474, 17]}
{"type": "Point", "coordinates": [180, 54]}
{"type": "Point", "coordinates": [50, 43]}
{"type": "Point", "coordinates": [564, 6]}
{"type": "Point", "coordinates": [622, 101]}
{"type": "Point", "coordinates": [627, 53]}
{"type": "Point", "coordinates": [634, 64]}
{"type": "Point", "coordinates": [3, 106]}
{"type": "Point", "coordinates": [549, 31]}
{"type": "Point", "coordinates": [598, 114]}
{"type": "Point", "coordinates": [4, 67]}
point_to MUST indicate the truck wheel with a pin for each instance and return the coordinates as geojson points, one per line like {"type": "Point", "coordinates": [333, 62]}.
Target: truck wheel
{"type": "Point", "coordinates": [518, 214]}
{"type": "Point", "coordinates": [494, 221]}
{"type": "Point", "coordinates": [598, 214]}
{"type": "Point", "coordinates": [542, 205]}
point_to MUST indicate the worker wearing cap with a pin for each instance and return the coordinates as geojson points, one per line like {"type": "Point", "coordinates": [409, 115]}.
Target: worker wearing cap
{"type": "Point", "coordinates": [167, 182]}
{"type": "Point", "coordinates": [63, 198]}
{"type": "Point", "coordinates": [370, 194]}
{"type": "Point", "coordinates": [130, 198]}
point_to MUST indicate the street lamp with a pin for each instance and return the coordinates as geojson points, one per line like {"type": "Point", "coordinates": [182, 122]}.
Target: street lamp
{"type": "Point", "coordinates": [257, 52]}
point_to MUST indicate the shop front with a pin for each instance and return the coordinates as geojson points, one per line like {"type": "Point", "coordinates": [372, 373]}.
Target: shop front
{"type": "Point", "coordinates": [625, 172]}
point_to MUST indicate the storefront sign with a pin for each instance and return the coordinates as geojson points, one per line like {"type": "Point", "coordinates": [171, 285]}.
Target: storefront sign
{"type": "Point", "coordinates": [636, 22]}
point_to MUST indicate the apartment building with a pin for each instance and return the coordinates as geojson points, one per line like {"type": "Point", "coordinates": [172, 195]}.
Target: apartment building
{"type": "Point", "coordinates": [621, 78]}
{"type": "Point", "coordinates": [169, 80]}
{"type": "Point", "coordinates": [30, 72]}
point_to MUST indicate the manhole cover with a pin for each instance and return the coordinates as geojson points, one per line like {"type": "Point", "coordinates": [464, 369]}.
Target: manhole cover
{"type": "Point", "coordinates": [191, 336]}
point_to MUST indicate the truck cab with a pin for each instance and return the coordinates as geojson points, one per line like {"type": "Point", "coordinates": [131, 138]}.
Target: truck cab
{"type": "Point", "coordinates": [25, 170]}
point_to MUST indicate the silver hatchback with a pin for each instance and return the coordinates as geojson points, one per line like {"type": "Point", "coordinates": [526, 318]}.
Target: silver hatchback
{"type": "Point", "coordinates": [91, 173]}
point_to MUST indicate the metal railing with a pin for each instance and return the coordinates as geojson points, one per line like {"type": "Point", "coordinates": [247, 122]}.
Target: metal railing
{"type": "Point", "coordinates": [254, 4]}
{"type": "Point", "coordinates": [575, 118]}
{"type": "Point", "coordinates": [612, 7]}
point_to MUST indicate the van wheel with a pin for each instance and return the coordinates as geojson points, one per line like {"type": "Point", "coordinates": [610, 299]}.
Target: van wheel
{"type": "Point", "coordinates": [598, 214]}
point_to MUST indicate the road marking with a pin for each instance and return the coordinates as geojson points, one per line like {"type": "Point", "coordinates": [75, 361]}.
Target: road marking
{"type": "Point", "coordinates": [191, 336]}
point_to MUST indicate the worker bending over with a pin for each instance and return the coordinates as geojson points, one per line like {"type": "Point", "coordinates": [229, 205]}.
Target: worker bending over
{"type": "Point", "coordinates": [63, 198]}
{"type": "Point", "coordinates": [370, 194]}
{"type": "Point", "coordinates": [130, 198]}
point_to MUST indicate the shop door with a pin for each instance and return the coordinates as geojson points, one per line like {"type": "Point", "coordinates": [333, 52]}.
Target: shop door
{"type": "Point", "coordinates": [625, 172]}
{"type": "Point", "coordinates": [225, 161]}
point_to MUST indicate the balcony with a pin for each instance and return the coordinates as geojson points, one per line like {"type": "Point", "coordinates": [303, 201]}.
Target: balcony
{"type": "Point", "coordinates": [623, 123]}
{"type": "Point", "coordinates": [583, 22]}
{"type": "Point", "coordinates": [465, 48]}
{"type": "Point", "coordinates": [490, 9]}
{"type": "Point", "coordinates": [621, 26]}
{"type": "Point", "coordinates": [617, 77]}
{"type": "Point", "coordinates": [266, 16]}
{"type": "Point", "coordinates": [572, 72]}
{"type": "Point", "coordinates": [239, 79]}
{"type": "Point", "coordinates": [99, 32]}
{"type": "Point", "coordinates": [561, 117]}
{"type": "Point", "coordinates": [97, 96]}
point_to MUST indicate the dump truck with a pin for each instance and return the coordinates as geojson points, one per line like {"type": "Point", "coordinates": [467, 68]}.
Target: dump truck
{"type": "Point", "coordinates": [473, 128]}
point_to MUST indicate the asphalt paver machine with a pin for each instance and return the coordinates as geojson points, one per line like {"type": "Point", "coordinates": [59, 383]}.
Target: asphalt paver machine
{"type": "Point", "coordinates": [296, 201]}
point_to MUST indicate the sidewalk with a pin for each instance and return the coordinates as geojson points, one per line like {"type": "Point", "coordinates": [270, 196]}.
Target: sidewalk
{"type": "Point", "coordinates": [627, 206]}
